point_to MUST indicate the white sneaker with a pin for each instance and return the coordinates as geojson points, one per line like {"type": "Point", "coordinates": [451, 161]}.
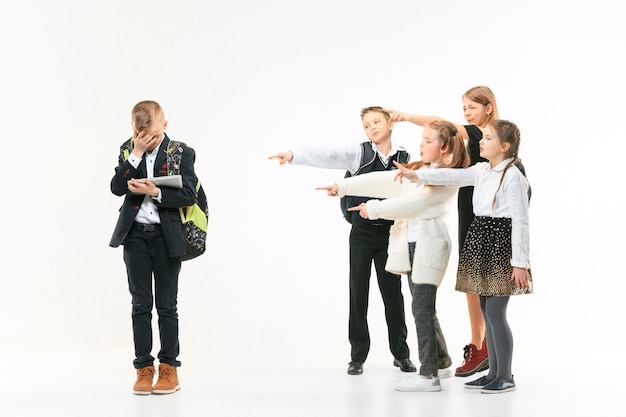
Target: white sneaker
{"type": "Point", "coordinates": [444, 373]}
{"type": "Point", "coordinates": [418, 383]}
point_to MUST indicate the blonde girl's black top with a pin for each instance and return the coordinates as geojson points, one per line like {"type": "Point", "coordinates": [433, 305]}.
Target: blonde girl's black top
{"type": "Point", "coordinates": [464, 203]}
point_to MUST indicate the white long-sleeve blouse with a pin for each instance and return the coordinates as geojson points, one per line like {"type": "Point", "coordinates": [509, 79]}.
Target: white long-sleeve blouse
{"type": "Point", "coordinates": [511, 199]}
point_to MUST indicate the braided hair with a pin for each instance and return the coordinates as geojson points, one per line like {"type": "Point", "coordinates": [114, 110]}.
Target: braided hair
{"type": "Point", "coordinates": [506, 132]}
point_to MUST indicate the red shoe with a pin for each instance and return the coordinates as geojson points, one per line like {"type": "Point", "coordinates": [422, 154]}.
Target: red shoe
{"type": "Point", "coordinates": [474, 360]}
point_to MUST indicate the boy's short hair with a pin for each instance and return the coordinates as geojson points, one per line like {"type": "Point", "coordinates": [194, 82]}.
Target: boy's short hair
{"type": "Point", "coordinates": [143, 114]}
{"type": "Point", "coordinates": [376, 109]}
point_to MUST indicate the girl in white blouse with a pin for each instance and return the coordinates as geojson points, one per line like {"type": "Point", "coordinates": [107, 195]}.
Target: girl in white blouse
{"type": "Point", "coordinates": [494, 262]}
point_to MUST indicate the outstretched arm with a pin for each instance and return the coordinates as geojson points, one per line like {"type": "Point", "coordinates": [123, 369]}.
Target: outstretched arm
{"type": "Point", "coordinates": [422, 120]}
{"type": "Point", "coordinates": [459, 177]}
{"type": "Point", "coordinates": [418, 119]}
{"type": "Point", "coordinates": [404, 172]}
{"type": "Point", "coordinates": [423, 203]}
{"type": "Point", "coordinates": [283, 157]}
{"type": "Point", "coordinates": [377, 184]}
{"type": "Point", "coordinates": [362, 209]}
{"type": "Point", "coordinates": [343, 157]}
{"type": "Point", "coordinates": [331, 190]}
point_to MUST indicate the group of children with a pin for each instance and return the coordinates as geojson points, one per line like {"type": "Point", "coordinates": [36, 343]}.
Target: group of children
{"type": "Point", "coordinates": [397, 217]}
{"type": "Point", "coordinates": [398, 224]}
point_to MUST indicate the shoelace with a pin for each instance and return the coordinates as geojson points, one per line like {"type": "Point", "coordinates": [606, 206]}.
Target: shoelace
{"type": "Point", "coordinates": [166, 373]}
{"type": "Point", "coordinates": [145, 373]}
{"type": "Point", "coordinates": [467, 353]}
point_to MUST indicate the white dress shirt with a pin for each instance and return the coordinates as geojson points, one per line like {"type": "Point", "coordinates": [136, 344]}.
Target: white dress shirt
{"type": "Point", "coordinates": [148, 212]}
{"type": "Point", "coordinates": [511, 199]}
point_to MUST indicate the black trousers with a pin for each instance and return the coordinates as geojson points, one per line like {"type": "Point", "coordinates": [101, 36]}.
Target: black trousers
{"type": "Point", "coordinates": [369, 243]}
{"type": "Point", "coordinates": [146, 257]}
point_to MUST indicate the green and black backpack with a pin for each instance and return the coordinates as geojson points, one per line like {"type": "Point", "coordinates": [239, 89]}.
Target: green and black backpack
{"type": "Point", "coordinates": [194, 218]}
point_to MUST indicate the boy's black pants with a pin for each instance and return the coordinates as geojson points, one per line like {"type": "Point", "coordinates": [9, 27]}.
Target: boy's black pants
{"type": "Point", "coordinates": [369, 243]}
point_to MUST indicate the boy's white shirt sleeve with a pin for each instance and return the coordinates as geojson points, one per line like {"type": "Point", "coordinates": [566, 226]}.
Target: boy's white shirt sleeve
{"type": "Point", "coordinates": [134, 161]}
{"type": "Point", "coordinates": [348, 157]}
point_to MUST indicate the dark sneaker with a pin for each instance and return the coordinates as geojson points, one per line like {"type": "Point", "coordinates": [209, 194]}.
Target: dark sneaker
{"type": "Point", "coordinates": [499, 385]}
{"type": "Point", "coordinates": [478, 383]}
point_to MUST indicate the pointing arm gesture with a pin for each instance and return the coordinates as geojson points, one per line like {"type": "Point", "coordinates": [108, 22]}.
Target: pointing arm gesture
{"type": "Point", "coordinates": [404, 172]}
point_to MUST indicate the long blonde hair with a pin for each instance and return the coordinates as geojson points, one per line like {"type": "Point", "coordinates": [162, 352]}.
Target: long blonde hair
{"type": "Point", "coordinates": [483, 95]}
{"type": "Point", "coordinates": [449, 137]}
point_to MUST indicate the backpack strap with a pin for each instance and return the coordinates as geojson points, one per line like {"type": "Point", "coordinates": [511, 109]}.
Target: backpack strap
{"type": "Point", "coordinates": [367, 158]}
{"type": "Point", "coordinates": [403, 157]}
{"type": "Point", "coordinates": [126, 149]}
{"type": "Point", "coordinates": [174, 154]}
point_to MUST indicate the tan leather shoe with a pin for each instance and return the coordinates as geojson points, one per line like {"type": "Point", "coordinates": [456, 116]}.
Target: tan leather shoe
{"type": "Point", "coordinates": [168, 380]}
{"type": "Point", "coordinates": [143, 384]}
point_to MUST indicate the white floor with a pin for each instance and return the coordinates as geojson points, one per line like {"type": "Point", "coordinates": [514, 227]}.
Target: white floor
{"type": "Point", "coordinates": [60, 358]}
{"type": "Point", "coordinates": [105, 390]}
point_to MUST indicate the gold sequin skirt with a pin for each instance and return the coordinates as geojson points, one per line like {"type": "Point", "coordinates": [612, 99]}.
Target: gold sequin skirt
{"type": "Point", "coordinates": [485, 260]}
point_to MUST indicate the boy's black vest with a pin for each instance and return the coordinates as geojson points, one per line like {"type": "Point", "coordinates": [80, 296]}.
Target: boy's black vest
{"type": "Point", "coordinates": [369, 162]}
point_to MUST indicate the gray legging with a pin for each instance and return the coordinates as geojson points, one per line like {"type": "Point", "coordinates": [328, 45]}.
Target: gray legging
{"type": "Point", "coordinates": [499, 336]}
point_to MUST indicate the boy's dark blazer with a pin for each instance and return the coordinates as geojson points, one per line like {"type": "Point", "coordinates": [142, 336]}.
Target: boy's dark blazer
{"type": "Point", "coordinates": [171, 200]}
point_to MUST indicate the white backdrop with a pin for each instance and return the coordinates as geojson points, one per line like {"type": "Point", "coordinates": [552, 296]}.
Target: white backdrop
{"type": "Point", "coordinates": [241, 80]}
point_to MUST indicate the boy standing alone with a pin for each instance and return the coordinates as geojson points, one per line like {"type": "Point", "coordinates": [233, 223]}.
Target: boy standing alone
{"type": "Point", "coordinates": [368, 240]}
{"type": "Point", "coordinates": [149, 227]}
